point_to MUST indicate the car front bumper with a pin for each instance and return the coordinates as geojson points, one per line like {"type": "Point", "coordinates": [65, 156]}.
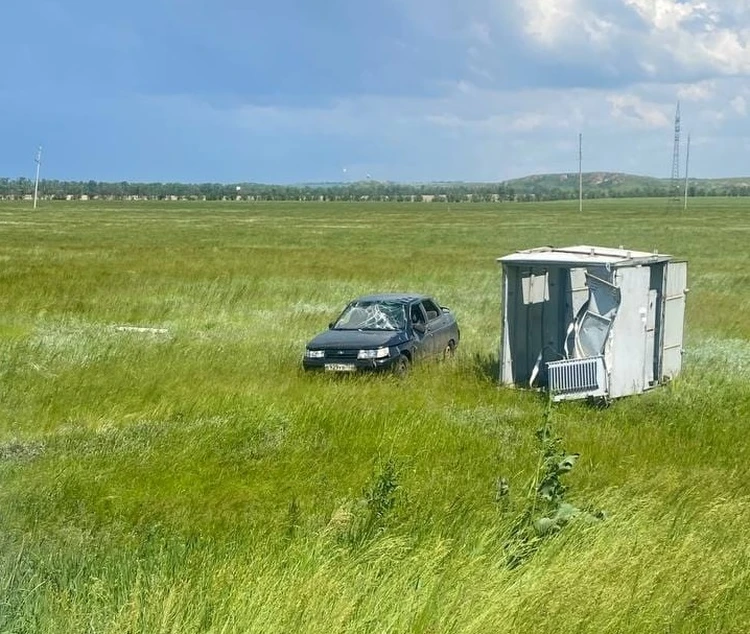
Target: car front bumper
{"type": "Point", "coordinates": [349, 365]}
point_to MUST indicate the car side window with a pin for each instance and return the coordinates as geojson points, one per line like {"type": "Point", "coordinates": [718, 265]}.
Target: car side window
{"type": "Point", "coordinates": [431, 309]}
{"type": "Point", "coordinates": [417, 316]}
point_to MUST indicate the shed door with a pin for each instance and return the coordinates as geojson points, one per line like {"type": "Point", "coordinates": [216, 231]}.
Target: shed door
{"type": "Point", "coordinates": [649, 320]}
{"type": "Point", "coordinates": [674, 318]}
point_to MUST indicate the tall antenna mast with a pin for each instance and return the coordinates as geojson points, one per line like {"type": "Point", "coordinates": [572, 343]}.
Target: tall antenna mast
{"type": "Point", "coordinates": [38, 160]}
{"type": "Point", "coordinates": [580, 172]}
{"type": "Point", "coordinates": [687, 166]}
{"type": "Point", "coordinates": [674, 183]}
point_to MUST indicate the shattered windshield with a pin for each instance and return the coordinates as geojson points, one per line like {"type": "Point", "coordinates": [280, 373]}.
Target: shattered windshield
{"type": "Point", "coordinates": [373, 315]}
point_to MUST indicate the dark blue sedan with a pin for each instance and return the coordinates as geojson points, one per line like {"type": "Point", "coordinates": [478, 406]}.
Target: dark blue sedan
{"type": "Point", "coordinates": [384, 332]}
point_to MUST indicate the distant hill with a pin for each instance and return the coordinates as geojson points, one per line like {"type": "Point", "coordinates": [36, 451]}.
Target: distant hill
{"type": "Point", "coordinates": [595, 183]}
{"type": "Point", "coordinates": [591, 180]}
{"type": "Point", "coordinates": [617, 183]}
{"type": "Point", "coordinates": [537, 187]}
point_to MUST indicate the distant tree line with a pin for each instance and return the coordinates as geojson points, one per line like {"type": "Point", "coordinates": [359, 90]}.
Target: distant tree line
{"type": "Point", "coordinates": [366, 190]}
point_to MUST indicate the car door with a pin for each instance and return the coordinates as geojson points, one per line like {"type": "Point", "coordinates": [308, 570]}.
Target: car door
{"type": "Point", "coordinates": [438, 327]}
{"type": "Point", "coordinates": [420, 331]}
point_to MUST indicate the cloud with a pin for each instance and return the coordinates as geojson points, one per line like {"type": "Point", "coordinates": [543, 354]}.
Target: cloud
{"type": "Point", "coordinates": [474, 133]}
{"type": "Point", "coordinates": [480, 32]}
{"type": "Point", "coordinates": [547, 20]}
{"type": "Point", "coordinates": [527, 122]}
{"type": "Point", "coordinates": [585, 43]}
{"type": "Point", "coordinates": [460, 89]}
{"type": "Point", "coordinates": [559, 23]}
{"type": "Point", "coordinates": [634, 110]}
{"type": "Point", "coordinates": [669, 15]}
{"type": "Point", "coordinates": [739, 105]}
{"type": "Point", "coordinates": [700, 91]}
{"type": "Point", "coordinates": [686, 37]}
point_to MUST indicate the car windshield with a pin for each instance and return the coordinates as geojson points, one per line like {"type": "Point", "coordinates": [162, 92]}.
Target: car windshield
{"type": "Point", "coordinates": [372, 315]}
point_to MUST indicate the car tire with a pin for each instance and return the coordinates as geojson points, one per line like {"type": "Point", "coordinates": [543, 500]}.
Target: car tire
{"type": "Point", "coordinates": [449, 351]}
{"type": "Point", "coordinates": [401, 366]}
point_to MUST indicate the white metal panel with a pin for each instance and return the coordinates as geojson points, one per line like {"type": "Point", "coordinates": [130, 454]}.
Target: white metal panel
{"type": "Point", "coordinates": [506, 361]}
{"type": "Point", "coordinates": [649, 318]}
{"type": "Point", "coordinates": [577, 378]}
{"type": "Point", "coordinates": [594, 325]}
{"type": "Point", "coordinates": [535, 287]}
{"type": "Point", "coordinates": [628, 334]}
{"type": "Point", "coordinates": [578, 290]}
{"type": "Point", "coordinates": [674, 318]}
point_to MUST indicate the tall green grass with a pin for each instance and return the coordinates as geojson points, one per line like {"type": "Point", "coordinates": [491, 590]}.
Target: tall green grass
{"type": "Point", "coordinates": [190, 478]}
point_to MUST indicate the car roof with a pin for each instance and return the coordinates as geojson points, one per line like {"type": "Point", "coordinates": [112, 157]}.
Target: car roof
{"type": "Point", "coordinates": [403, 298]}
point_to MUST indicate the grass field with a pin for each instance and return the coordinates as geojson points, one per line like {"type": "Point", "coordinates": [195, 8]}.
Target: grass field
{"type": "Point", "coordinates": [193, 479]}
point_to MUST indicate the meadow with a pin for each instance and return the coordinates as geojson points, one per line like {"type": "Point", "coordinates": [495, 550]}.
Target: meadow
{"type": "Point", "coordinates": [166, 466]}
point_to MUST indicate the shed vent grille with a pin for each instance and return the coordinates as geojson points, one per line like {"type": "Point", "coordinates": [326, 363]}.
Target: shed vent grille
{"type": "Point", "coordinates": [576, 378]}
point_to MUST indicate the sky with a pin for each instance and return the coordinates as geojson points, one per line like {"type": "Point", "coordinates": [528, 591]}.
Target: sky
{"type": "Point", "coordinates": [293, 91]}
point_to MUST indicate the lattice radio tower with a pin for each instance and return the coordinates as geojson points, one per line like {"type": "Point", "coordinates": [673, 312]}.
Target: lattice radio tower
{"type": "Point", "coordinates": [675, 181]}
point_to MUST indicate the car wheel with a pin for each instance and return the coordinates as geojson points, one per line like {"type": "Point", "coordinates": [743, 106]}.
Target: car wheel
{"type": "Point", "coordinates": [401, 367]}
{"type": "Point", "coordinates": [449, 351]}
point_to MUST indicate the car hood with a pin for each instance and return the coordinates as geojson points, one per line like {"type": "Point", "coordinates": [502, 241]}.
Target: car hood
{"type": "Point", "coordinates": [356, 339]}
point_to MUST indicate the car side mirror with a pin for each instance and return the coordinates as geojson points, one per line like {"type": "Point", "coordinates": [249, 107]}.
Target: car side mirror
{"type": "Point", "coordinates": [330, 326]}
{"type": "Point", "coordinates": [420, 328]}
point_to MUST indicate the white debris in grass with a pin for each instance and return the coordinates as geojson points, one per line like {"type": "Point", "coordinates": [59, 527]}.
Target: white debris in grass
{"type": "Point", "coordinates": [143, 329]}
{"type": "Point", "coordinates": [80, 343]}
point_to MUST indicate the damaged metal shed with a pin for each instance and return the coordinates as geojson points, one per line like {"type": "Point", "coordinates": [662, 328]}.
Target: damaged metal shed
{"type": "Point", "coordinates": [588, 321]}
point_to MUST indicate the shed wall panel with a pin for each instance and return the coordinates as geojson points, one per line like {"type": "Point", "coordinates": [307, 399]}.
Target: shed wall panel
{"type": "Point", "coordinates": [674, 319]}
{"type": "Point", "coordinates": [628, 336]}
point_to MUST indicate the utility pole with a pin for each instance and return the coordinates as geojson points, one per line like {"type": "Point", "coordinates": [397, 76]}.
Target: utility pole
{"type": "Point", "coordinates": [687, 166]}
{"type": "Point", "coordinates": [580, 172]}
{"type": "Point", "coordinates": [674, 183]}
{"type": "Point", "coordinates": [38, 160]}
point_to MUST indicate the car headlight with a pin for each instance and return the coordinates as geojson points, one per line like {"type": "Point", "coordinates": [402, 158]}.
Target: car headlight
{"type": "Point", "coordinates": [379, 353]}
{"type": "Point", "coordinates": [315, 354]}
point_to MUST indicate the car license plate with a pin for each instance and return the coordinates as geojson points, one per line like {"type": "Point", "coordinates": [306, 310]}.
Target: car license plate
{"type": "Point", "coordinates": [340, 367]}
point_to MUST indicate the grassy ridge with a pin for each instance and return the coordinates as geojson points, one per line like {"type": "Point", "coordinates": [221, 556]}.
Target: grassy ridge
{"type": "Point", "coordinates": [619, 184]}
{"type": "Point", "coordinates": [192, 479]}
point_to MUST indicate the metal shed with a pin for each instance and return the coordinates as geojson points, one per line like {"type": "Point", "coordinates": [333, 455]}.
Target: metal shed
{"type": "Point", "coordinates": [587, 321]}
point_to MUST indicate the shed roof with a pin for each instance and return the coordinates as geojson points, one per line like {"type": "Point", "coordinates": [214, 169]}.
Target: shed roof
{"type": "Point", "coordinates": [583, 255]}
